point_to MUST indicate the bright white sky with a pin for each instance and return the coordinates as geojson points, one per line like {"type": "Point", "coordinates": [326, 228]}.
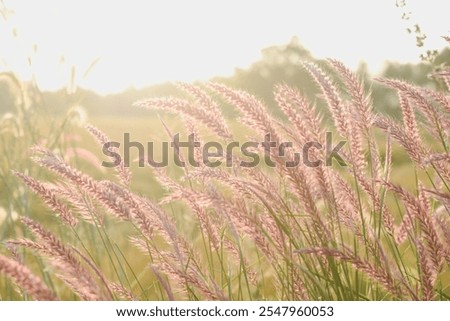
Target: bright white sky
{"type": "Point", "coordinates": [147, 42]}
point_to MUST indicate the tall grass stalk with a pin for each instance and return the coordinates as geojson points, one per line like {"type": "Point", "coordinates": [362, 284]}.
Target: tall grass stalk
{"type": "Point", "coordinates": [304, 233]}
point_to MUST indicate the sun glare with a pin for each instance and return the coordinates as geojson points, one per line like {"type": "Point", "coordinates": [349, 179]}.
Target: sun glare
{"type": "Point", "coordinates": [110, 46]}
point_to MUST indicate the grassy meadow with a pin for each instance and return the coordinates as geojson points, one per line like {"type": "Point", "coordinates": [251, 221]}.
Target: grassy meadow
{"type": "Point", "coordinates": [376, 229]}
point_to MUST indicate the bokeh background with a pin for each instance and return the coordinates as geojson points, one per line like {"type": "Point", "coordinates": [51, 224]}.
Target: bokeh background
{"type": "Point", "coordinates": [64, 64]}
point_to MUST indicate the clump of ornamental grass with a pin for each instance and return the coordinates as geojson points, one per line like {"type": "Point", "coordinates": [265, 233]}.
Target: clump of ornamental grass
{"type": "Point", "coordinates": [25, 122]}
{"type": "Point", "coordinates": [349, 231]}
